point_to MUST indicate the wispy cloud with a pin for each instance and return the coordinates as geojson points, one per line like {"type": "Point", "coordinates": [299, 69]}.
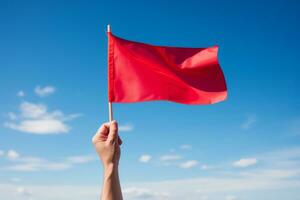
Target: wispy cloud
{"type": "Point", "coordinates": [278, 172]}
{"type": "Point", "coordinates": [143, 193]}
{"type": "Point", "coordinates": [30, 163]}
{"type": "Point", "coordinates": [12, 155]}
{"type": "Point", "coordinates": [171, 157]}
{"type": "Point", "coordinates": [245, 162]}
{"type": "Point", "coordinates": [204, 188]}
{"type": "Point", "coordinates": [249, 122]}
{"type": "Point", "coordinates": [126, 128]}
{"type": "Point", "coordinates": [80, 159]}
{"type": "Point", "coordinates": [44, 91]}
{"type": "Point", "coordinates": [230, 197]}
{"type": "Point", "coordinates": [24, 192]}
{"type": "Point", "coordinates": [145, 158]}
{"type": "Point", "coordinates": [185, 146]}
{"type": "Point", "coordinates": [188, 164]}
{"type": "Point", "coordinates": [34, 192]}
{"type": "Point", "coordinates": [36, 119]}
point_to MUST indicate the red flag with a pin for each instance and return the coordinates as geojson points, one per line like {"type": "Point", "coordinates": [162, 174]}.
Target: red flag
{"type": "Point", "coordinates": [142, 72]}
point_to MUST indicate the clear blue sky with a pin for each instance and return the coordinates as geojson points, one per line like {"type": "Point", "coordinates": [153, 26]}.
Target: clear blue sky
{"type": "Point", "coordinates": [53, 72]}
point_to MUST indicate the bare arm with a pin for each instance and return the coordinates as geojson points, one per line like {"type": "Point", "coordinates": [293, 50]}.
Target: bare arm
{"type": "Point", "coordinates": [107, 144]}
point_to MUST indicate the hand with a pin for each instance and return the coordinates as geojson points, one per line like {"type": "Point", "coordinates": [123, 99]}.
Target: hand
{"type": "Point", "coordinates": [107, 144]}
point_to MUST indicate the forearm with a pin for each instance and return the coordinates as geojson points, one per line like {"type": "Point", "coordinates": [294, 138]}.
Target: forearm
{"type": "Point", "coordinates": [111, 184]}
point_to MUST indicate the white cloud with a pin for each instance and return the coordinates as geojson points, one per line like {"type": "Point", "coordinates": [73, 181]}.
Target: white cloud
{"type": "Point", "coordinates": [249, 122]}
{"type": "Point", "coordinates": [230, 197]}
{"type": "Point", "coordinates": [44, 126]}
{"type": "Point", "coordinates": [21, 93]}
{"type": "Point", "coordinates": [24, 192]}
{"type": "Point", "coordinates": [33, 111]}
{"type": "Point", "coordinates": [58, 192]}
{"type": "Point", "coordinates": [273, 173]}
{"type": "Point", "coordinates": [245, 162]}
{"type": "Point", "coordinates": [29, 163]}
{"type": "Point", "coordinates": [145, 158]}
{"type": "Point", "coordinates": [216, 188]}
{"type": "Point", "coordinates": [1, 153]}
{"type": "Point", "coordinates": [80, 159]}
{"type": "Point", "coordinates": [212, 188]}
{"type": "Point", "coordinates": [44, 91]}
{"type": "Point", "coordinates": [185, 146]}
{"type": "Point", "coordinates": [126, 128]}
{"type": "Point", "coordinates": [204, 197]}
{"type": "Point", "coordinates": [188, 164]}
{"type": "Point", "coordinates": [33, 164]}
{"type": "Point", "coordinates": [142, 193]}
{"type": "Point", "coordinates": [36, 119]}
{"type": "Point", "coordinates": [34, 167]}
{"type": "Point", "coordinates": [172, 157]}
{"type": "Point", "coordinates": [12, 155]}
{"type": "Point", "coordinates": [278, 174]}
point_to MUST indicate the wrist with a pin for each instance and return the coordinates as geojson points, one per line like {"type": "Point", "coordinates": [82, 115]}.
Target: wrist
{"type": "Point", "coordinates": [110, 170]}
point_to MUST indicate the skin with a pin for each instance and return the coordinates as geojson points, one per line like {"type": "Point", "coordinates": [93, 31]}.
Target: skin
{"type": "Point", "coordinates": [107, 144]}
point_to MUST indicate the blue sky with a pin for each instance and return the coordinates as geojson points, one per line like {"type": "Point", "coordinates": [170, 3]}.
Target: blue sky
{"type": "Point", "coordinates": [54, 97]}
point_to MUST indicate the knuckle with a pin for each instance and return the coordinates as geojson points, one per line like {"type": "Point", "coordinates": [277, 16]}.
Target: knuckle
{"type": "Point", "coordinates": [101, 129]}
{"type": "Point", "coordinates": [114, 126]}
{"type": "Point", "coordinates": [114, 129]}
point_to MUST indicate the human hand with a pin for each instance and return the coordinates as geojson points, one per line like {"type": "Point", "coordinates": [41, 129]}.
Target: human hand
{"type": "Point", "coordinates": [107, 144]}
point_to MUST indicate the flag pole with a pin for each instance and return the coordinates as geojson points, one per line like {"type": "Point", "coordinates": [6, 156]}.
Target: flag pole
{"type": "Point", "coordinates": [110, 111]}
{"type": "Point", "coordinates": [110, 107]}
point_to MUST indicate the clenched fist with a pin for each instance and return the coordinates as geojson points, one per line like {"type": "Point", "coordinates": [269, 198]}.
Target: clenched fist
{"type": "Point", "coordinates": [107, 144]}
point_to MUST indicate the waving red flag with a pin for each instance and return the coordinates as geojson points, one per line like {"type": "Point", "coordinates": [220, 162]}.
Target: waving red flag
{"type": "Point", "coordinates": [142, 72]}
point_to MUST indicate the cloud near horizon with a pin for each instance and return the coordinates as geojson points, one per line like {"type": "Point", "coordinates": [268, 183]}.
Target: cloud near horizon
{"type": "Point", "coordinates": [278, 172]}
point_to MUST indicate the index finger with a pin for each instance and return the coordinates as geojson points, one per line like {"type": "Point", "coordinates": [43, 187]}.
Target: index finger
{"type": "Point", "coordinates": [102, 132]}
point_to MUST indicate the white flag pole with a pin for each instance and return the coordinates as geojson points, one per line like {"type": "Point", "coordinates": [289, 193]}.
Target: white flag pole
{"type": "Point", "coordinates": [110, 111]}
{"type": "Point", "coordinates": [110, 108]}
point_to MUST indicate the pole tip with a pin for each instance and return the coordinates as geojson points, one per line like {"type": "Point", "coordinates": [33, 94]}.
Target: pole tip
{"type": "Point", "coordinates": [108, 28]}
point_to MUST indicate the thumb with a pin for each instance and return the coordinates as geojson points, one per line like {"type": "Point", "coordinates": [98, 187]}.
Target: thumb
{"type": "Point", "coordinates": [113, 131]}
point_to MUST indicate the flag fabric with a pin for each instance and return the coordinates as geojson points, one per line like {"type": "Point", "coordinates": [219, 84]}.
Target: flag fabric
{"type": "Point", "coordinates": [140, 72]}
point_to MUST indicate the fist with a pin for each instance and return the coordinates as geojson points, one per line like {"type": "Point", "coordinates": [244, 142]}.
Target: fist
{"type": "Point", "coordinates": [107, 144]}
